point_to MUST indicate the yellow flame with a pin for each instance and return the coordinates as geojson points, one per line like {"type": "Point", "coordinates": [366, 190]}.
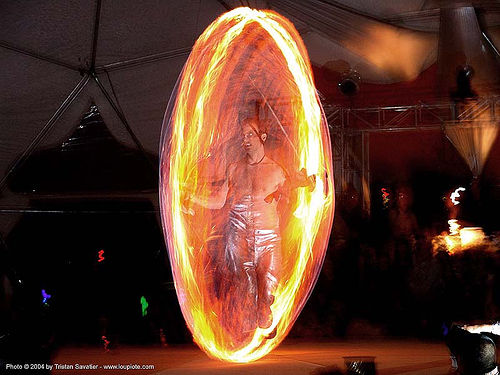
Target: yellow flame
{"type": "Point", "coordinates": [196, 127]}
{"type": "Point", "coordinates": [471, 236]}
{"type": "Point", "coordinates": [460, 239]}
{"type": "Point", "coordinates": [454, 226]}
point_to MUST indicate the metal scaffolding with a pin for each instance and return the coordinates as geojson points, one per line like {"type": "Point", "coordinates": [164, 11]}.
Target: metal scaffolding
{"type": "Point", "coordinates": [350, 129]}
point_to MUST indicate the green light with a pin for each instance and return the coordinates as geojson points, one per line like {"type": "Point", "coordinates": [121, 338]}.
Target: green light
{"type": "Point", "coordinates": [144, 305]}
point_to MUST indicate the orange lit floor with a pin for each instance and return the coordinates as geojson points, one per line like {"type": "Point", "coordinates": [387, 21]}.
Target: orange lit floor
{"type": "Point", "coordinates": [294, 357]}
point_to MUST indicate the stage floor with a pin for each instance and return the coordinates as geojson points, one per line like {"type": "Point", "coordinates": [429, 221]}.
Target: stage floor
{"type": "Point", "coordinates": [393, 357]}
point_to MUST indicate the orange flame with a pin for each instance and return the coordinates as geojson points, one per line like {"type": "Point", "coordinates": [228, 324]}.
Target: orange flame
{"type": "Point", "coordinates": [245, 56]}
{"type": "Point", "coordinates": [461, 239]}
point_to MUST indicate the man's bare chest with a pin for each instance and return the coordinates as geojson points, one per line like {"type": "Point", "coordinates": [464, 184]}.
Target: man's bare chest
{"type": "Point", "coordinates": [255, 179]}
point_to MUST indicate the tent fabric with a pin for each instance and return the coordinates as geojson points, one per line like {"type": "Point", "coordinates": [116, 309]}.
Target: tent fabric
{"type": "Point", "coordinates": [60, 30]}
{"type": "Point", "coordinates": [89, 160]}
{"type": "Point", "coordinates": [399, 53]}
{"type": "Point", "coordinates": [137, 50]}
{"type": "Point", "coordinates": [383, 9]}
{"type": "Point", "coordinates": [32, 92]}
{"type": "Point", "coordinates": [473, 142]}
{"type": "Point", "coordinates": [462, 42]}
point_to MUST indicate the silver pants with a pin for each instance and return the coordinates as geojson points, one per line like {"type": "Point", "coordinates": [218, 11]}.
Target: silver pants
{"type": "Point", "coordinates": [253, 249]}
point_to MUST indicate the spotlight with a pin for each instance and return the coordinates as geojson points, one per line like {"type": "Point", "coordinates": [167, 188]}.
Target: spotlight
{"type": "Point", "coordinates": [349, 84]}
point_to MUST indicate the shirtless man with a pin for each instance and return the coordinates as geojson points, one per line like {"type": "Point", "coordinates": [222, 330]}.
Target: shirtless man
{"type": "Point", "coordinates": [253, 243]}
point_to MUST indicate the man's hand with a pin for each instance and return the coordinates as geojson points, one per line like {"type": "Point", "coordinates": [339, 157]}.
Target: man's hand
{"type": "Point", "coordinates": [300, 179]}
{"type": "Point", "coordinates": [277, 194]}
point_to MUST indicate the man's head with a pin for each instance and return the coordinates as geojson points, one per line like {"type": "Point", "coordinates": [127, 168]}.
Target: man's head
{"type": "Point", "coordinates": [253, 134]}
{"type": "Point", "coordinates": [478, 357]}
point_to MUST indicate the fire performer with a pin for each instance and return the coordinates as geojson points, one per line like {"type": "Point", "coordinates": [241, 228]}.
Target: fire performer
{"type": "Point", "coordinates": [251, 189]}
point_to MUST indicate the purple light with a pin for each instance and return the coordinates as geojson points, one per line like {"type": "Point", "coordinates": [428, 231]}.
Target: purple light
{"type": "Point", "coordinates": [45, 296]}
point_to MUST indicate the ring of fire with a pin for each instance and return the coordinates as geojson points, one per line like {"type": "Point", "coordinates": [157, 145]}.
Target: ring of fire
{"type": "Point", "coordinates": [246, 63]}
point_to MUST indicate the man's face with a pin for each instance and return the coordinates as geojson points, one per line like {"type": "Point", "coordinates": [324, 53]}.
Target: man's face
{"type": "Point", "coordinates": [250, 138]}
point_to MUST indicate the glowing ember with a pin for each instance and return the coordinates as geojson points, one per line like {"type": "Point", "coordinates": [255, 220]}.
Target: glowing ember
{"type": "Point", "coordinates": [456, 194]}
{"type": "Point", "coordinates": [247, 63]}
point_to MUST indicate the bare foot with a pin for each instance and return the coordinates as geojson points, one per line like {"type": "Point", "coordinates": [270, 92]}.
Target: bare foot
{"type": "Point", "coordinates": [272, 335]}
{"type": "Point", "coordinates": [265, 318]}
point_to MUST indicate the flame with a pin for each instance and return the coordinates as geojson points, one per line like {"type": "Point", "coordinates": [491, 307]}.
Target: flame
{"type": "Point", "coordinates": [207, 100]}
{"type": "Point", "coordinates": [454, 226]}
{"type": "Point", "coordinates": [460, 239]}
{"type": "Point", "coordinates": [471, 236]}
{"type": "Point", "coordinates": [456, 194]}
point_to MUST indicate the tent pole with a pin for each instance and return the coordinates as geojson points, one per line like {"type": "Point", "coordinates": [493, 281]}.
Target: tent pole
{"type": "Point", "coordinates": [37, 56]}
{"type": "Point", "coordinates": [225, 5]}
{"type": "Point", "coordinates": [144, 60]}
{"type": "Point", "coordinates": [41, 135]}
{"type": "Point", "coordinates": [96, 33]}
{"type": "Point", "coordinates": [122, 118]}
{"type": "Point", "coordinates": [491, 44]}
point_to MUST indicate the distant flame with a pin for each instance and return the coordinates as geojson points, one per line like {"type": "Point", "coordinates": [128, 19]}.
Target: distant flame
{"type": "Point", "coordinates": [460, 239]}
{"type": "Point", "coordinates": [471, 236]}
{"type": "Point", "coordinates": [456, 194]}
{"type": "Point", "coordinates": [454, 226]}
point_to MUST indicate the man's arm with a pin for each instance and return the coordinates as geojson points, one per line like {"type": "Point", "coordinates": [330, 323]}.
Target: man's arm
{"type": "Point", "coordinates": [216, 200]}
{"type": "Point", "coordinates": [213, 201]}
{"type": "Point", "coordinates": [288, 183]}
